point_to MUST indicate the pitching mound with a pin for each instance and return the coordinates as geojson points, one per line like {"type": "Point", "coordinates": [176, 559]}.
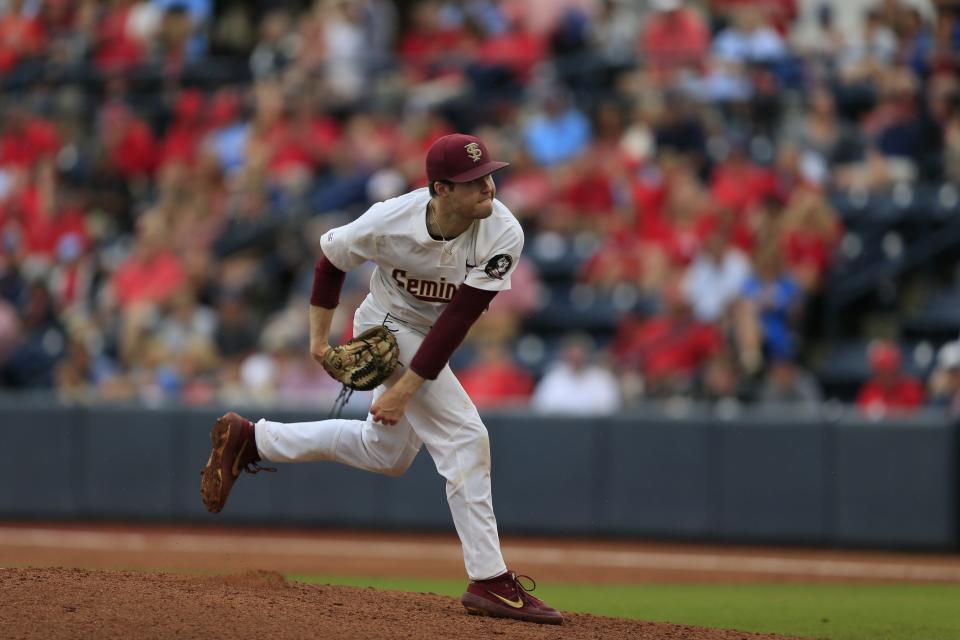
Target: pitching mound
{"type": "Point", "coordinates": [75, 603]}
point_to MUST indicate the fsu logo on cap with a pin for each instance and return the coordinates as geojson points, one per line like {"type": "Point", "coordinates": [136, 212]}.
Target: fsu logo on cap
{"type": "Point", "coordinates": [474, 151]}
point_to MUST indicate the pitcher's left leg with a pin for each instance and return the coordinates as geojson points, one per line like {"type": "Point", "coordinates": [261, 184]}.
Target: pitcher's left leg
{"type": "Point", "coordinates": [447, 422]}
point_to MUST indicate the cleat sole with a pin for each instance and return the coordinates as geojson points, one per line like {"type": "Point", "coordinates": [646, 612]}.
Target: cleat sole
{"type": "Point", "coordinates": [477, 606]}
{"type": "Point", "coordinates": [211, 479]}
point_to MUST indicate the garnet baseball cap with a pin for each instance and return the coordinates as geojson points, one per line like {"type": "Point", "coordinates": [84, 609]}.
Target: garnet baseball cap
{"type": "Point", "coordinates": [459, 158]}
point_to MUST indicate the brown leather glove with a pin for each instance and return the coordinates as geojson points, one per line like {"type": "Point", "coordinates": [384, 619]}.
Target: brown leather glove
{"type": "Point", "coordinates": [365, 361]}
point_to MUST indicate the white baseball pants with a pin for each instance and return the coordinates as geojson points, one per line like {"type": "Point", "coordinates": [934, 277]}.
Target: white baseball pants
{"type": "Point", "coordinates": [440, 415]}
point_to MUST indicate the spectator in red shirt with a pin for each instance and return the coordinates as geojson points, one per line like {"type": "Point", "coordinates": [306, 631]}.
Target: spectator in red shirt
{"type": "Point", "coordinates": [674, 38]}
{"type": "Point", "coordinates": [889, 391]}
{"type": "Point", "coordinates": [586, 193]}
{"type": "Point", "coordinates": [115, 49]}
{"type": "Point", "coordinates": [182, 140]}
{"type": "Point", "coordinates": [130, 146]}
{"type": "Point", "coordinates": [672, 240]}
{"type": "Point", "coordinates": [21, 36]}
{"type": "Point", "coordinates": [494, 381]}
{"type": "Point", "coordinates": [622, 258]}
{"type": "Point", "coordinates": [152, 274]}
{"type": "Point", "coordinates": [46, 220]}
{"type": "Point", "coordinates": [810, 234]}
{"type": "Point", "coordinates": [59, 20]}
{"type": "Point", "coordinates": [429, 49]}
{"type": "Point", "coordinates": [148, 278]}
{"type": "Point", "coordinates": [738, 184]}
{"type": "Point", "coordinates": [512, 53]}
{"type": "Point", "coordinates": [668, 349]}
{"type": "Point", "coordinates": [302, 141]}
{"type": "Point", "coordinates": [25, 139]}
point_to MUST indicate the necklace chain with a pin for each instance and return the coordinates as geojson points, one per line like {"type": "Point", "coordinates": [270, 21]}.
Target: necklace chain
{"type": "Point", "coordinates": [436, 219]}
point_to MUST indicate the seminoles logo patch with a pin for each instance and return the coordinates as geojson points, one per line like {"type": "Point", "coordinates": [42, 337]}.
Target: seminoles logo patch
{"type": "Point", "coordinates": [498, 266]}
{"type": "Point", "coordinates": [474, 151]}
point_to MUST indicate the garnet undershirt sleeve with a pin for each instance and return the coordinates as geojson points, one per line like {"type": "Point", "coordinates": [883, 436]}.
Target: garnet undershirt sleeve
{"type": "Point", "coordinates": [327, 282]}
{"type": "Point", "coordinates": [450, 329]}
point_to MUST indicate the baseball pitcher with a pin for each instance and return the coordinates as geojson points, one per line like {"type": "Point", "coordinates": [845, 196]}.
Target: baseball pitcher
{"type": "Point", "coordinates": [441, 254]}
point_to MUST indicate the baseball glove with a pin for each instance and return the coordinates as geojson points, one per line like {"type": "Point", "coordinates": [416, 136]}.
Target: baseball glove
{"type": "Point", "coordinates": [365, 361]}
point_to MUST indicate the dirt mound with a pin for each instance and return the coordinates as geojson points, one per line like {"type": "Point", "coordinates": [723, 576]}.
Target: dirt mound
{"type": "Point", "coordinates": [254, 579]}
{"type": "Point", "coordinates": [76, 603]}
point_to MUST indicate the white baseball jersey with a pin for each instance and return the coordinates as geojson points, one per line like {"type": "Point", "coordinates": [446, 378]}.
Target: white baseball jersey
{"type": "Point", "coordinates": [416, 275]}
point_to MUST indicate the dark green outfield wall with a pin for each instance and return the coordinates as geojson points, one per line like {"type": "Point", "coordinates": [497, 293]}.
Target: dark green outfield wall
{"type": "Point", "coordinates": [757, 478]}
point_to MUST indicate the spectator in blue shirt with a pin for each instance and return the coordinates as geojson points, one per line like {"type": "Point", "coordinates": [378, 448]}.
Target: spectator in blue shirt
{"type": "Point", "coordinates": [198, 12]}
{"type": "Point", "coordinates": [769, 302]}
{"type": "Point", "coordinates": [557, 133]}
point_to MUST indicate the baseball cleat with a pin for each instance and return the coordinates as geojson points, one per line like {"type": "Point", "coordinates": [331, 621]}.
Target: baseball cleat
{"type": "Point", "coordinates": [506, 597]}
{"type": "Point", "coordinates": [234, 450]}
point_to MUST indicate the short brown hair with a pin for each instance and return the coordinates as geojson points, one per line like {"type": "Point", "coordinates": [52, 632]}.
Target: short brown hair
{"type": "Point", "coordinates": [433, 189]}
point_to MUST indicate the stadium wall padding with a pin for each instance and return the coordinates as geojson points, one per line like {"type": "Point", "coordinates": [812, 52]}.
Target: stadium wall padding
{"type": "Point", "coordinates": [760, 478]}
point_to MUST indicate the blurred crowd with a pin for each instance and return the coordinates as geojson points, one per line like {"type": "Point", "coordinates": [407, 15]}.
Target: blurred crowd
{"type": "Point", "coordinates": [159, 226]}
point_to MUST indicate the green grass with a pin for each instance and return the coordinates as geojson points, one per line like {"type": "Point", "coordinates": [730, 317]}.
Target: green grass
{"type": "Point", "coordinates": [835, 612]}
